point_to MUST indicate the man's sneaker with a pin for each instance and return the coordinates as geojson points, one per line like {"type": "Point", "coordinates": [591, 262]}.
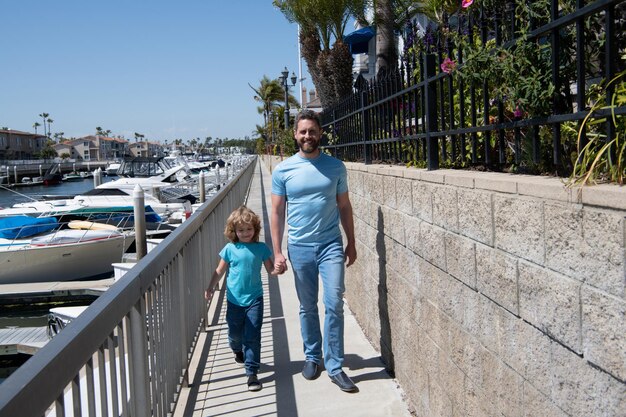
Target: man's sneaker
{"type": "Point", "coordinates": [253, 383]}
{"type": "Point", "coordinates": [239, 357]}
{"type": "Point", "coordinates": [310, 370]}
{"type": "Point", "coordinates": [344, 382]}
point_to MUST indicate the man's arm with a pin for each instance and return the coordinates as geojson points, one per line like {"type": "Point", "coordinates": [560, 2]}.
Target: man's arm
{"type": "Point", "coordinates": [279, 204]}
{"type": "Point", "coordinates": [347, 222]}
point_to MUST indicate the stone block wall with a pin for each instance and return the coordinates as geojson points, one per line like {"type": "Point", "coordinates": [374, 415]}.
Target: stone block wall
{"type": "Point", "coordinates": [492, 294]}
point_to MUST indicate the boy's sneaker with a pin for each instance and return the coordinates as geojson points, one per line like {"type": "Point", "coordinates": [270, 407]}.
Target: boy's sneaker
{"type": "Point", "coordinates": [239, 357]}
{"type": "Point", "coordinates": [253, 383]}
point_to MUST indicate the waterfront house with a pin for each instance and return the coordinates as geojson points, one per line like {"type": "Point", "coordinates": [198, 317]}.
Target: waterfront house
{"type": "Point", "coordinates": [15, 144]}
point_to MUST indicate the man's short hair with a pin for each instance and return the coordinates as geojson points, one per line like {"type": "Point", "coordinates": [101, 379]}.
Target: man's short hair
{"type": "Point", "coordinates": [307, 115]}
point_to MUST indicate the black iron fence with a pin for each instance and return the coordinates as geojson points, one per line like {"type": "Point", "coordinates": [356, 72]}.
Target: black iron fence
{"type": "Point", "coordinates": [502, 87]}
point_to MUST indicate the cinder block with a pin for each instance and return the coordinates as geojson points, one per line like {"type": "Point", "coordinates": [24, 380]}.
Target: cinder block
{"type": "Point", "coordinates": [412, 234]}
{"type": "Point", "coordinates": [389, 191]}
{"type": "Point", "coordinates": [549, 188]}
{"type": "Point", "coordinates": [503, 385]}
{"type": "Point", "coordinates": [581, 389]}
{"type": "Point", "coordinates": [476, 215]}
{"type": "Point", "coordinates": [422, 201]}
{"type": "Point", "coordinates": [356, 182]}
{"type": "Point", "coordinates": [605, 195]}
{"type": "Point", "coordinates": [519, 229]}
{"type": "Point", "coordinates": [503, 183]}
{"type": "Point", "coordinates": [604, 250]}
{"type": "Point", "coordinates": [404, 195]}
{"type": "Point", "coordinates": [604, 331]}
{"type": "Point", "coordinates": [496, 277]}
{"type": "Point", "coordinates": [461, 258]}
{"type": "Point", "coordinates": [537, 404]}
{"type": "Point", "coordinates": [392, 224]}
{"type": "Point", "coordinates": [433, 244]}
{"type": "Point", "coordinates": [525, 349]}
{"type": "Point", "coordinates": [375, 188]}
{"type": "Point", "coordinates": [445, 209]}
{"type": "Point", "coordinates": [551, 302]}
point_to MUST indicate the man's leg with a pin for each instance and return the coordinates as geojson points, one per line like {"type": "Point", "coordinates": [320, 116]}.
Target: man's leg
{"type": "Point", "coordinates": [331, 267]}
{"type": "Point", "coordinates": [304, 265]}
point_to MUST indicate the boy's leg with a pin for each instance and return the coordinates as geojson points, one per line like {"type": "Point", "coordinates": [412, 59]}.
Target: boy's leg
{"type": "Point", "coordinates": [332, 273]}
{"type": "Point", "coordinates": [252, 336]}
{"type": "Point", "coordinates": [235, 318]}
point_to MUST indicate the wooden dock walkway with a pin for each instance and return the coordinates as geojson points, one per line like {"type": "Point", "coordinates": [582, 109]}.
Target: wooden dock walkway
{"type": "Point", "coordinates": [26, 340]}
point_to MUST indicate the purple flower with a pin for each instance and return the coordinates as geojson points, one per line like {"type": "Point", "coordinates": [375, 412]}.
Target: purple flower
{"type": "Point", "coordinates": [518, 113]}
{"type": "Point", "coordinates": [467, 3]}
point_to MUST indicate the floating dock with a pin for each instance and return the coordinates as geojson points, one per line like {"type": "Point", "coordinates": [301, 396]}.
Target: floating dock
{"type": "Point", "coordinates": [28, 293]}
{"type": "Point", "coordinates": [26, 340]}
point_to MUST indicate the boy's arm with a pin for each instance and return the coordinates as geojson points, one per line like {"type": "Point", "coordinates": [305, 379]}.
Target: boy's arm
{"type": "Point", "coordinates": [217, 274]}
{"type": "Point", "coordinates": [269, 267]}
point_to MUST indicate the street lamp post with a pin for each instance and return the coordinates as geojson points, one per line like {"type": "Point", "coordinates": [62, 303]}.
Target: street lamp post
{"type": "Point", "coordinates": [284, 78]}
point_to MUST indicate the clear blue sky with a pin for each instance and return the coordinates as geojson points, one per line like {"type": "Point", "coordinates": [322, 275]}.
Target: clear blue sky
{"type": "Point", "coordinates": [166, 69]}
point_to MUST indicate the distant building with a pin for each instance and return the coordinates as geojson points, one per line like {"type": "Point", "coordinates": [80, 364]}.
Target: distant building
{"type": "Point", "coordinates": [146, 148]}
{"type": "Point", "coordinates": [93, 147]}
{"type": "Point", "coordinates": [15, 144]}
{"type": "Point", "coordinates": [312, 102]}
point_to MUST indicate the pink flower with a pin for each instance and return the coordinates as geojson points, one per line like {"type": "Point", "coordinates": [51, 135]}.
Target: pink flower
{"type": "Point", "coordinates": [518, 113]}
{"type": "Point", "coordinates": [467, 3]}
{"type": "Point", "coordinates": [448, 65]}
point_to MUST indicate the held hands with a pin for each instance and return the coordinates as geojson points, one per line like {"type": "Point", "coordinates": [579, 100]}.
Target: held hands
{"type": "Point", "coordinates": [280, 264]}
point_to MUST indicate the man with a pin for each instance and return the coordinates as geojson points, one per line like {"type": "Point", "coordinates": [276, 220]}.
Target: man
{"type": "Point", "coordinates": [312, 187]}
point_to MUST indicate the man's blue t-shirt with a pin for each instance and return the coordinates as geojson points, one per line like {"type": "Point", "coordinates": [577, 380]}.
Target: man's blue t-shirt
{"type": "Point", "coordinates": [243, 282]}
{"type": "Point", "coordinates": [310, 187]}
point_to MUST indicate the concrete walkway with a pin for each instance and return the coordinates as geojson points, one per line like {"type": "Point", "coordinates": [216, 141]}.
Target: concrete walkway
{"type": "Point", "coordinates": [218, 385]}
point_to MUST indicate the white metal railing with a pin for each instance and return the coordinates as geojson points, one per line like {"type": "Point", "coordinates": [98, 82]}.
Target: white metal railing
{"type": "Point", "coordinates": [128, 353]}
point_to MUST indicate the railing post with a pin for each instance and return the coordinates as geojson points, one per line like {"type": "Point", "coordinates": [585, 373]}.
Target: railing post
{"type": "Point", "coordinates": [140, 221]}
{"type": "Point", "coordinates": [201, 187]}
{"type": "Point", "coordinates": [432, 149]}
{"type": "Point", "coordinates": [365, 128]}
{"type": "Point", "coordinates": [138, 363]}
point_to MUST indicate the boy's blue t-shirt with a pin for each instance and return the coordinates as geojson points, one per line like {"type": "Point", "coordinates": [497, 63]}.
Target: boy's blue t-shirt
{"type": "Point", "coordinates": [243, 282]}
{"type": "Point", "coordinates": [310, 187]}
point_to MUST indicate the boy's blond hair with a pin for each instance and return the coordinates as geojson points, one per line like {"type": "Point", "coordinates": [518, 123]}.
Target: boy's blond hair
{"type": "Point", "coordinates": [242, 215]}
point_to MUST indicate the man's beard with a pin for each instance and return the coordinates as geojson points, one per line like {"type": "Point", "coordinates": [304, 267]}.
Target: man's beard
{"type": "Point", "coordinates": [312, 146]}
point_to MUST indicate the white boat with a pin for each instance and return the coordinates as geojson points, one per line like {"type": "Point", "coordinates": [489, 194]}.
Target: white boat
{"type": "Point", "coordinates": [61, 255]}
{"type": "Point", "coordinates": [112, 168]}
{"type": "Point", "coordinates": [97, 201]}
{"type": "Point", "coordinates": [72, 176]}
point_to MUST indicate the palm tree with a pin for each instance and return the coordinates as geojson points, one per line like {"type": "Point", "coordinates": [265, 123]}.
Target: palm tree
{"type": "Point", "coordinates": [138, 135]}
{"type": "Point", "coordinates": [36, 125]}
{"type": "Point", "coordinates": [49, 121]}
{"type": "Point", "coordinates": [320, 22]}
{"type": "Point", "coordinates": [386, 51]}
{"type": "Point", "coordinates": [268, 93]}
{"type": "Point", "coordinates": [44, 116]}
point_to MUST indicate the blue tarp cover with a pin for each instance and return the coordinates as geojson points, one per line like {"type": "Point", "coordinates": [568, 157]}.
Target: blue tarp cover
{"type": "Point", "coordinates": [15, 227]}
{"type": "Point", "coordinates": [359, 39]}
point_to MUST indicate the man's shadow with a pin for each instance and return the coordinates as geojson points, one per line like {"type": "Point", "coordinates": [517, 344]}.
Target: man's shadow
{"type": "Point", "coordinates": [383, 302]}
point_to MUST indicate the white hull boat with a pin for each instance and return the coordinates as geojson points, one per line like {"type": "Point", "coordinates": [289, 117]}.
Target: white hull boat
{"type": "Point", "coordinates": [63, 255]}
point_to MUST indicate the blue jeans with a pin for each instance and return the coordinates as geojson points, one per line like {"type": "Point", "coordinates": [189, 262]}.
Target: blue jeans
{"type": "Point", "coordinates": [309, 263]}
{"type": "Point", "coordinates": [244, 332]}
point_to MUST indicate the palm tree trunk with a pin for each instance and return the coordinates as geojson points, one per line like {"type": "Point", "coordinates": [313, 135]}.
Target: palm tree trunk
{"type": "Point", "coordinates": [386, 53]}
